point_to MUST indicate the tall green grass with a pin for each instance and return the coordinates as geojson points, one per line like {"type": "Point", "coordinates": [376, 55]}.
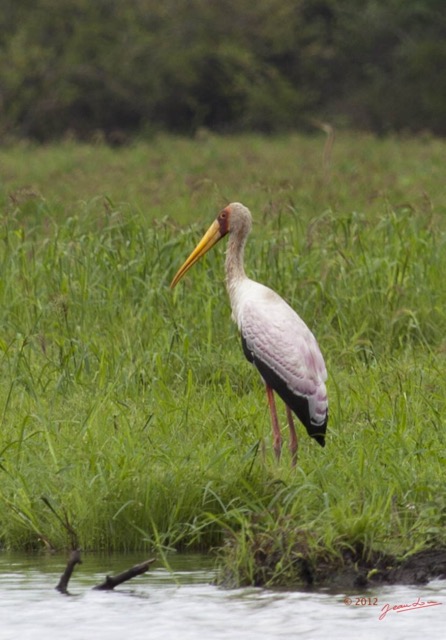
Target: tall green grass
{"type": "Point", "coordinates": [129, 417]}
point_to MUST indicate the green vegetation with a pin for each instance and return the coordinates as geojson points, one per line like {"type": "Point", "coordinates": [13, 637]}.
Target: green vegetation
{"type": "Point", "coordinates": [112, 68]}
{"type": "Point", "coordinates": [129, 417]}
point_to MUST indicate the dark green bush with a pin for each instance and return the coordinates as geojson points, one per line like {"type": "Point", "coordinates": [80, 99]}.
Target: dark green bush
{"type": "Point", "coordinates": [118, 68]}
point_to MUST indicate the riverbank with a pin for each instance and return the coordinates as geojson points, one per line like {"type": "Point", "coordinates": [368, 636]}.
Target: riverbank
{"type": "Point", "coordinates": [130, 419]}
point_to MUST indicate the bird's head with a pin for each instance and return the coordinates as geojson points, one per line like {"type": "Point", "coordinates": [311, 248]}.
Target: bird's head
{"type": "Point", "coordinates": [235, 218]}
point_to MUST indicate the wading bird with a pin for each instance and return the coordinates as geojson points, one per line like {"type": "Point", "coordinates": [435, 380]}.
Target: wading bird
{"type": "Point", "coordinates": [274, 338]}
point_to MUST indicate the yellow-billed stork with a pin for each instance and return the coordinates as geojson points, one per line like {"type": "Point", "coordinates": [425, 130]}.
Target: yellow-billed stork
{"type": "Point", "coordinates": [274, 338]}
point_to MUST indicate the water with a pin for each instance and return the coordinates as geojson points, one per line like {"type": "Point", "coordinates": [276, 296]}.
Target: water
{"type": "Point", "coordinates": [184, 605]}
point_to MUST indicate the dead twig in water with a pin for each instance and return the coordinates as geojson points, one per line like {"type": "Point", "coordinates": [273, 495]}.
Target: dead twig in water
{"type": "Point", "coordinates": [73, 560]}
{"type": "Point", "coordinates": [113, 581]}
{"type": "Point", "coordinates": [109, 583]}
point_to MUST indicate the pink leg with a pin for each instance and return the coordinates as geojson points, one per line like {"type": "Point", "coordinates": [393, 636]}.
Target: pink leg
{"type": "Point", "coordinates": [277, 438]}
{"type": "Point", "coordinates": [293, 436]}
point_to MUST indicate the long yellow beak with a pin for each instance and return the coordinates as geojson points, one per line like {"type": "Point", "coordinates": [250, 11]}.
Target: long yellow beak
{"type": "Point", "coordinates": [211, 237]}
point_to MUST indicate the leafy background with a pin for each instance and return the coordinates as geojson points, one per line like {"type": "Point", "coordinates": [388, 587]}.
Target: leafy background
{"type": "Point", "coordinates": [111, 68]}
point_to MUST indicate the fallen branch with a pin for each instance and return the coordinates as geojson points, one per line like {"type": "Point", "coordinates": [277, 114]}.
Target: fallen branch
{"type": "Point", "coordinates": [113, 581]}
{"type": "Point", "coordinates": [73, 560]}
{"type": "Point", "coordinates": [109, 583]}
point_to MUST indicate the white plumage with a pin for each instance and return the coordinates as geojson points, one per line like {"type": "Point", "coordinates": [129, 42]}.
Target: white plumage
{"type": "Point", "coordinates": [277, 336]}
{"type": "Point", "coordinates": [275, 339]}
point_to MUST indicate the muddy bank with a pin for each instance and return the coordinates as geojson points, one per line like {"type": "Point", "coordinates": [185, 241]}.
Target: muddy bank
{"type": "Point", "coordinates": [348, 570]}
{"type": "Point", "coordinates": [379, 569]}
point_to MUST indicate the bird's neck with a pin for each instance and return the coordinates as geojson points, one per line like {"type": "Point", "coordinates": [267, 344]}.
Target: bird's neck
{"type": "Point", "coordinates": [234, 266]}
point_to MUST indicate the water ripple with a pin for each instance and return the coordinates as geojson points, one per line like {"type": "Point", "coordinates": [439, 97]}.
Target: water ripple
{"type": "Point", "coordinates": [162, 605]}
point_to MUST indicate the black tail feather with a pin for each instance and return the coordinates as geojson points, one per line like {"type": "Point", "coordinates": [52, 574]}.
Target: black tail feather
{"type": "Point", "coordinates": [298, 404]}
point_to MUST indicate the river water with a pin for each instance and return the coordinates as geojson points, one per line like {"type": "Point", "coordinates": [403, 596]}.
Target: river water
{"type": "Point", "coordinates": [181, 603]}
